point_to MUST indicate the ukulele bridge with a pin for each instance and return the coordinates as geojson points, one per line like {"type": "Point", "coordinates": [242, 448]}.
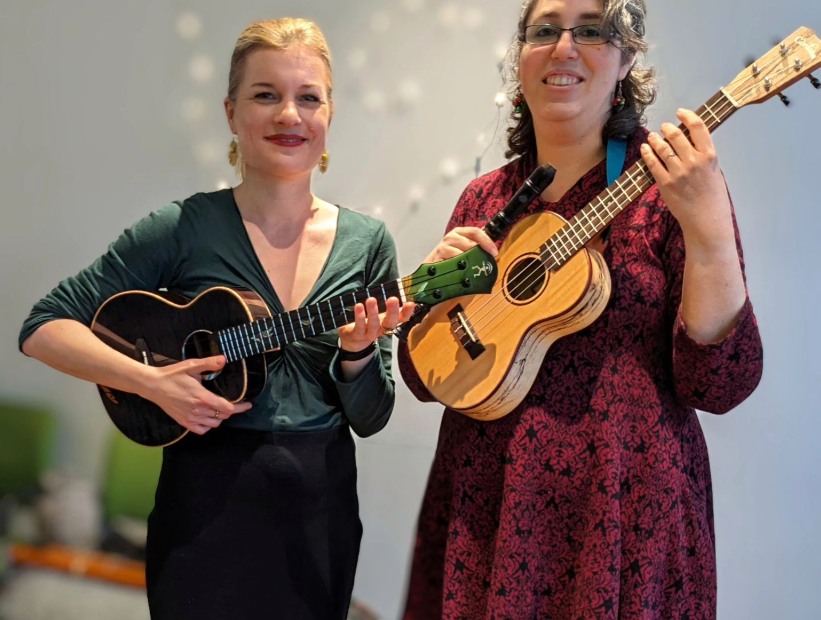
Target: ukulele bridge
{"type": "Point", "coordinates": [462, 329]}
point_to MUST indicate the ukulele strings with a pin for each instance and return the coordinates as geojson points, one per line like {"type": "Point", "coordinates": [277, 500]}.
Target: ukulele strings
{"type": "Point", "coordinates": [562, 236]}
{"type": "Point", "coordinates": [244, 338]}
{"type": "Point", "coordinates": [726, 105]}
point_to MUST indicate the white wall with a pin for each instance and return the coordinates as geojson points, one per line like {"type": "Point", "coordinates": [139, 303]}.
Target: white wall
{"type": "Point", "coordinates": [91, 94]}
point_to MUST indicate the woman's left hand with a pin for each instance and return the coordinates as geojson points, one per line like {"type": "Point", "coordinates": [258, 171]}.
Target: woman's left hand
{"type": "Point", "coordinates": [691, 182]}
{"type": "Point", "coordinates": [369, 324]}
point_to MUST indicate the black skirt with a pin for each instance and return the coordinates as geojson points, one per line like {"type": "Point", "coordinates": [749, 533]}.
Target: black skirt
{"type": "Point", "coordinates": [252, 524]}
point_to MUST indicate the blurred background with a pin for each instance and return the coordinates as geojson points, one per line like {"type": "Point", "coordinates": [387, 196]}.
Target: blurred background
{"type": "Point", "coordinates": [112, 109]}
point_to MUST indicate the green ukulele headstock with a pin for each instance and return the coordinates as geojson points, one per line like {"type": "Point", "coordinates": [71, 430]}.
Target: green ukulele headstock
{"type": "Point", "coordinates": [470, 273]}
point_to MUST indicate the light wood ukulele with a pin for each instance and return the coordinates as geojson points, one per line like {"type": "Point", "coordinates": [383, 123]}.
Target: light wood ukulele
{"type": "Point", "coordinates": [479, 355]}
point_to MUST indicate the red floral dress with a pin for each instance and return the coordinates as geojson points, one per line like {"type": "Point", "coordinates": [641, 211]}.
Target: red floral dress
{"type": "Point", "coordinates": [593, 498]}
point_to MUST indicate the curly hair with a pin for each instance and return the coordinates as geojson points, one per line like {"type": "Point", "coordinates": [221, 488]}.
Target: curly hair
{"type": "Point", "coordinates": [624, 18]}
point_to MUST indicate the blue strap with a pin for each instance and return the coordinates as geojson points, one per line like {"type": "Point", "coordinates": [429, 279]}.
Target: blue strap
{"type": "Point", "coordinates": [616, 154]}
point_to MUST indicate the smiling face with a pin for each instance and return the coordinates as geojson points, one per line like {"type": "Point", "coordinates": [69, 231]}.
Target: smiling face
{"type": "Point", "coordinates": [566, 82]}
{"type": "Point", "coordinates": [281, 111]}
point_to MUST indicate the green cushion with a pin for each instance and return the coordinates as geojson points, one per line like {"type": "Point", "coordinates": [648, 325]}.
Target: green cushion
{"type": "Point", "coordinates": [26, 445]}
{"type": "Point", "coordinates": [131, 478]}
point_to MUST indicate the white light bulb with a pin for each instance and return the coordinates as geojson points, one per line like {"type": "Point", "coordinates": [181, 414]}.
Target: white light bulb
{"type": "Point", "coordinates": [409, 93]}
{"type": "Point", "coordinates": [357, 59]}
{"type": "Point", "coordinates": [416, 193]}
{"type": "Point", "coordinates": [374, 101]}
{"type": "Point", "coordinates": [189, 25]}
{"type": "Point", "coordinates": [413, 6]}
{"type": "Point", "coordinates": [473, 18]}
{"type": "Point", "coordinates": [201, 68]}
{"type": "Point", "coordinates": [501, 50]}
{"type": "Point", "coordinates": [449, 168]}
{"type": "Point", "coordinates": [449, 15]}
{"type": "Point", "coordinates": [208, 152]}
{"type": "Point", "coordinates": [381, 21]}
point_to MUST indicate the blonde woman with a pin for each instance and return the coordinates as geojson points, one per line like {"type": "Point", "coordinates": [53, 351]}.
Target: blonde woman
{"type": "Point", "coordinates": [256, 509]}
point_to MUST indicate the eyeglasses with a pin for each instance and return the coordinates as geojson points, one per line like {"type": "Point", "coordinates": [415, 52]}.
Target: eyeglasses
{"type": "Point", "coordinates": [547, 34]}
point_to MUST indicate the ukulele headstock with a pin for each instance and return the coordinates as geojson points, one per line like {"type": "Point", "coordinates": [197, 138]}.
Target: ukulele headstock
{"type": "Point", "coordinates": [795, 58]}
{"type": "Point", "coordinates": [470, 273]}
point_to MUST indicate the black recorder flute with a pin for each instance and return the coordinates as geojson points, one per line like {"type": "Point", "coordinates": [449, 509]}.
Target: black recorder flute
{"type": "Point", "coordinates": [534, 185]}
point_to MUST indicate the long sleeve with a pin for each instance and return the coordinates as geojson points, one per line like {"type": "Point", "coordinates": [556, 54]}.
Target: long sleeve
{"type": "Point", "coordinates": [368, 400]}
{"type": "Point", "coordinates": [145, 257]}
{"type": "Point", "coordinates": [714, 377]}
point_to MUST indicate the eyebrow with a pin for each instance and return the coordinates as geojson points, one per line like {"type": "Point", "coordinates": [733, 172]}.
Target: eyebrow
{"type": "Point", "coordinates": [583, 16]}
{"type": "Point", "coordinates": [268, 85]}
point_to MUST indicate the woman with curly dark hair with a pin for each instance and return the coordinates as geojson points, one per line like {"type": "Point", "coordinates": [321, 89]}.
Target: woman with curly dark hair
{"type": "Point", "coordinates": [592, 498]}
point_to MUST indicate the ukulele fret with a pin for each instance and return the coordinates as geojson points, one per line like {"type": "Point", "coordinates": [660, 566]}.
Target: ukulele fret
{"type": "Point", "coordinates": [331, 308]}
{"type": "Point", "coordinates": [300, 323]}
{"type": "Point", "coordinates": [274, 329]}
{"type": "Point", "coordinates": [223, 347]}
{"type": "Point", "coordinates": [321, 320]}
{"type": "Point", "coordinates": [291, 323]}
{"type": "Point", "coordinates": [261, 337]}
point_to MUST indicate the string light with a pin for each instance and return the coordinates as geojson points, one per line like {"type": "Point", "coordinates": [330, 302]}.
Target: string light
{"type": "Point", "coordinates": [448, 169]}
{"type": "Point", "coordinates": [208, 152]}
{"type": "Point", "coordinates": [357, 59]}
{"type": "Point", "coordinates": [501, 49]}
{"type": "Point", "coordinates": [473, 18]}
{"type": "Point", "coordinates": [403, 96]}
{"type": "Point", "coordinates": [189, 25]}
{"type": "Point", "coordinates": [374, 101]}
{"type": "Point", "coordinates": [201, 68]}
{"type": "Point", "coordinates": [416, 194]}
{"type": "Point", "coordinates": [381, 21]}
{"type": "Point", "coordinates": [413, 6]}
{"type": "Point", "coordinates": [449, 15]}
{"type": "Point", "coordinates": [408, 94]}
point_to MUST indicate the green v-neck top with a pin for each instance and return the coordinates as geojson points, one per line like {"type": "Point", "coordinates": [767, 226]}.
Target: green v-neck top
{"type": "Point", "coordinates": [193, 245]}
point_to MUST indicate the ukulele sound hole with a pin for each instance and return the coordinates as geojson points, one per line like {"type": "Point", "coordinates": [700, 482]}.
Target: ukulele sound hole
{"type": "Point", "coordinates": [198, 345]}
{"type": "Point", "coordinates": [526, 279]}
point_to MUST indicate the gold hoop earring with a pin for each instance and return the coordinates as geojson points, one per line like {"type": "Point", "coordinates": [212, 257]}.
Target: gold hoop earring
{"type": "Point", "coordinates": [323, 163]}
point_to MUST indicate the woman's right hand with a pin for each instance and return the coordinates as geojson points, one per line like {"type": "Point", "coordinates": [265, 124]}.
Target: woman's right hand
{"type": "Point", "coordinates": [178, 390]}
{"type": "Point", "coordinates": [461, 239]}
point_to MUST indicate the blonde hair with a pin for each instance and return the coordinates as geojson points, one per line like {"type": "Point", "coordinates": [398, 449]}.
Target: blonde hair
{"type": "Point", "coordinates": [277, 34]}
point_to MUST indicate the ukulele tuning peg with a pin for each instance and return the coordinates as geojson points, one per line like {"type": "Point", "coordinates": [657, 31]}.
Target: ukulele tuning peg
{"type": "Point", "coordinates": [750, 62]}
{"type": "Point", "coordinates": [816, 83]}
{"type": "Point", "coordinates": [784, 99]}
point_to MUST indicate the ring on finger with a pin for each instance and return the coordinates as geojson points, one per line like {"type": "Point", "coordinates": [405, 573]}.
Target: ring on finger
{"type": "Point", "coordinates": [672, 153]}
{"type": "Point", "coordinates": [387, 331]}
{"type": "Point", "coordinates": [216, 415]}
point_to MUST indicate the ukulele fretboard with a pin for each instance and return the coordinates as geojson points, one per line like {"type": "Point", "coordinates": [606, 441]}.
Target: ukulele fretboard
{"type": "Point", "coordinates": [597, 214]}
{"type": "Point", "coordinates": [282, 329]}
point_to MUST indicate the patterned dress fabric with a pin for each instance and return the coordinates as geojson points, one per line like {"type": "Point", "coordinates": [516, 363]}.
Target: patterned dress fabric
{"type": "Point", "coordinates": [593, 498]}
